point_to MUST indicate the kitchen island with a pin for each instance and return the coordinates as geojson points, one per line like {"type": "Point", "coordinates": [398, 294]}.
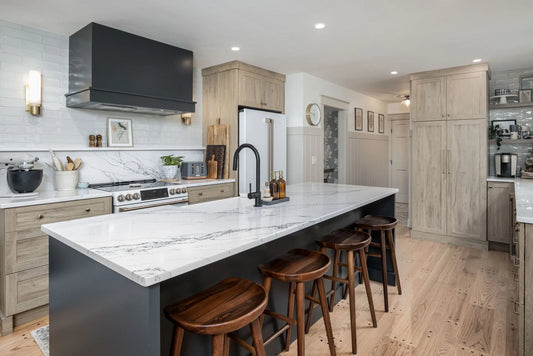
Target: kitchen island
{"type": "Point", "coordinates": [111, 276]}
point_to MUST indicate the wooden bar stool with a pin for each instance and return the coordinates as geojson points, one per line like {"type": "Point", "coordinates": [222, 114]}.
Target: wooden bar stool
{"type": "Point", "coordinates": [350, 241]}
{"type": "Point", "coordinates": [297, 267]}
{"type": "Point", "coordinates": [385, 225]}
{"type": "Point", "coordinates": [227, 306]}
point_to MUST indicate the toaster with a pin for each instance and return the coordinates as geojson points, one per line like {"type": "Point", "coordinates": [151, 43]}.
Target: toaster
{"type": "Point", "coordinates": [193, 170]}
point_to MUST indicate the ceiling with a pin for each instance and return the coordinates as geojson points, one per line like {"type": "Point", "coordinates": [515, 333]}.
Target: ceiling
{"type": "Point", "coordinates": [362, 43]}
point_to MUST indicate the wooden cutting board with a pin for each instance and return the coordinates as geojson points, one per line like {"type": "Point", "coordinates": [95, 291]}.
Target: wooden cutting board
{"type": "Point", "coordinates": [218, 134]}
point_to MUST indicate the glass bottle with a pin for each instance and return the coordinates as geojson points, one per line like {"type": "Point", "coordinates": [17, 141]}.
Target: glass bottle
{"type": "Point", "coordinates": [281, 184]}
{"type": "Point", "coordinates": [274, 188]}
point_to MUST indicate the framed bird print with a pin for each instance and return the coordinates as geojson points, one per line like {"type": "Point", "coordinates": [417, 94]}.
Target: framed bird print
{"type": "Point", "coordinates": [119, 132]}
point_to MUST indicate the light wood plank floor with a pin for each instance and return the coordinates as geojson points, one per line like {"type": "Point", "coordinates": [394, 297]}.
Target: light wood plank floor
{"type": "Point", "coordinates": [456, 301]}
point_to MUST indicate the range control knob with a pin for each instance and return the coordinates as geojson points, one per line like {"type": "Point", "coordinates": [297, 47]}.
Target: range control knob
{"type": "Point", "coordinates": [172, 191]}
{"type": "Point", "coordinates": [128, 196]}
{"type": "Point", "coordinates": [184, 190]}
{"type": "Point", "coordinates": [136, 196]}
{"type": "Point", "coordinates": [120, 197]}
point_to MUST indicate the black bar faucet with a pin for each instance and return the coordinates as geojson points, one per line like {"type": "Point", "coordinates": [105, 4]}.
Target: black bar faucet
{"type": "Point", "coordinates": [257, 194]}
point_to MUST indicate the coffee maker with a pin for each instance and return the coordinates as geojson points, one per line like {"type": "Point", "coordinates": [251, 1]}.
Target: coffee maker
{"type": "Point", "coordinates": [505, 164]}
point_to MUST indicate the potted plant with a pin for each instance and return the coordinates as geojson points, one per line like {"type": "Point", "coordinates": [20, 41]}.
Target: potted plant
{"type": "Point", "coordinates": [171, 166]}
{"type": "Point", "coordinates": [496, 132]}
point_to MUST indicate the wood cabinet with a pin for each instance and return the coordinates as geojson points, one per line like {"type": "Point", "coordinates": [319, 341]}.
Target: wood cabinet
{"type": "Point", "coordinates": [500, 212]}
{"type": "Point", "coordinates": [24, 254]}
{"type": "Point", "coordinates": [523, 302]}
{"type": "Point", "coordinates": [450, 94]}
{"type": "Point", "coordinates": [449, 158]}
{"type": "Point", "coordinates": [204, 193]}
{"type": "Point", "coordinates": [228, 86]}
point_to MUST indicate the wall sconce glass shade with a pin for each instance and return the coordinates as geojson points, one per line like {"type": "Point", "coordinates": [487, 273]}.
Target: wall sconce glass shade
{"type": "Point", "coordinates": [34, 93]}
{"type": "Point", "coordinates": [186, 118]}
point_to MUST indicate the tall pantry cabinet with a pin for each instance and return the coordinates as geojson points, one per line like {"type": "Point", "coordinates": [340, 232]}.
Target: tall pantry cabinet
{"type": "Point", "coordinates": [449, 154]}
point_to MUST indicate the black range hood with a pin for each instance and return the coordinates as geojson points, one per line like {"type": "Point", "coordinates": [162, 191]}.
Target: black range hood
{"type": "Point", "coordinates": [111, 69]}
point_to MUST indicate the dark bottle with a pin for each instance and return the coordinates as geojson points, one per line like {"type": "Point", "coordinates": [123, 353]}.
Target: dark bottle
{"type": "Point", "coordinates": [281, 185]}
{"type": "Point", "coordinates": [274, 188]}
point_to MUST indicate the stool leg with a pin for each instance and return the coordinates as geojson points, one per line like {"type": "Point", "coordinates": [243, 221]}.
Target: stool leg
{"type": "Point", "coordinates": [218, 345]}
{"type": "Point", "coordinates": [226, 345]}
{"type": "Point", "coordinates": [257, 338]}
{"type": "Point", "coordinates": [394, 263]}
{"type": "Point", "coordinates": [311, 308]}
{"type": "Point", "coordinates": [351, 292]}
{"type": "Point", "coordinates": [325, 315]}
{"type": "Point", "coordinates": [267, 282]}
{"type": "Point", "coordinates": [366, 280]}
{"type": "Point", "coordinates": [177, 341]}
{"type": "Point", "coordinates": [290, 314]}
{"type": "Point", "coordinates": [384, 270]}
{"type": "Point", "coordinates": [333, 282]}
{"type": "Point", "coordinates": [300, 317]}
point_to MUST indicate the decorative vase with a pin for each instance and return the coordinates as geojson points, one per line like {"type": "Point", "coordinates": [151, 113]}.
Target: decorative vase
{"type": "Point", "coordinates": [169, 172]}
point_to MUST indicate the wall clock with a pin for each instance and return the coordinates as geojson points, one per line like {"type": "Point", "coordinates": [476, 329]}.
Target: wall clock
{"type": "Point", "coordinates": [313, 114]}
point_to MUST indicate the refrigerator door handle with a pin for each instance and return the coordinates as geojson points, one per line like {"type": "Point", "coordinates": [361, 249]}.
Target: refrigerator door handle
{"type": "Point", "coordinates": [270, 124]}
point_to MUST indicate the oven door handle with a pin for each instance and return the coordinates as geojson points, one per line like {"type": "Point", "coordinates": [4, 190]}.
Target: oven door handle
{"type": "Point", "coordinates": [123, 210]}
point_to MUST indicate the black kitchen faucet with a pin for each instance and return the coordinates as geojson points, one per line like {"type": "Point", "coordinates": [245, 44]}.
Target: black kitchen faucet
{"type": "Point", "coordinates": [257, 194]}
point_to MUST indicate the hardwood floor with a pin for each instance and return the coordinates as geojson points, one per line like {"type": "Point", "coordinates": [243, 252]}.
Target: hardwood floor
{"type": "Point", "coordinates": [20, 342]}
{"type": "Point", "coordinates": [456, 301]}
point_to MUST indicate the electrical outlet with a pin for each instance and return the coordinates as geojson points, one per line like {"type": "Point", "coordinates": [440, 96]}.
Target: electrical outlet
{"type": "Point", "coordinates": [313, 160]}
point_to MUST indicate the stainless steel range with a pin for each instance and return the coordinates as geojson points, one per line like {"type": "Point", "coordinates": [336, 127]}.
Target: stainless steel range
{"type": "Point", "coordinates": [142, 194]}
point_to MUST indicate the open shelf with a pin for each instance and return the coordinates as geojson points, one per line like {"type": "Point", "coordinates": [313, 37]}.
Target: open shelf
{"type": "Point", "coordinates": [519, 141]}
{"type": "Point", "coordinates": [510, 106]}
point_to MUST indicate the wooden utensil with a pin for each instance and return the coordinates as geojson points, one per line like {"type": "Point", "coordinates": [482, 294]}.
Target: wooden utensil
{"type": "Point", "coordinates": [77, 163]}
{"type": "Point", "coordinates": [56, 161]}
{"type": "Point", "coordinates": [212, 168]}
{"type": "Point", "coordinates": [218, 134]}
{"type": "Point", "coordinates": [70, 166]}
{"type": "Point", "coordinates": [69, 160]}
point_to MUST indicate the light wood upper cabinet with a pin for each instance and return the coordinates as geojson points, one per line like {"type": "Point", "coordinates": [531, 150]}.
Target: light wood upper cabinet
{"type": "Point", "coordinates": [274, 94]}
{"type": "Point", "coordinates": [467, 174]}
{"type": "Point", "coordinates": [466, 96]}
{"type": "Point", "coordinates": [450, 94]}
{"type": "Point", "coordinates": [499, 212]}
{"type": "Point", "coordinates": [428, 98]}
{"type": "Point", "coordinates": [429, 187]}
{"type": "Point", "coordinates": [258, 91]}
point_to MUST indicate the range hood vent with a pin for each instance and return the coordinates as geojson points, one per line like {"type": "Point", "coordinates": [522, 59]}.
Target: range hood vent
{"type": "Point", "coordinates": [114, 70]}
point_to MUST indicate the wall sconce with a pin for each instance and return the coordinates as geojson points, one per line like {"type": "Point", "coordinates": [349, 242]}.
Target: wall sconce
{"type": "Point", "coordinates": [186, 118]}
{"type": "Point", "coordinates": [406, 100]}
{"type": "Point", "coordinates": [34, 93]}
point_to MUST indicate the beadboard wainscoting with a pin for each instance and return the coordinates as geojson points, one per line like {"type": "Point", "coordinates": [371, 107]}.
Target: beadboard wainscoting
{"type": "Point", "coordinates": [367, 159]}
{"type": "Point", "coordinates": [305, 161]}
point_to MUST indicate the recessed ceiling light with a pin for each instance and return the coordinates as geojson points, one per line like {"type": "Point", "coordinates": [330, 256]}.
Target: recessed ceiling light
{"type": "Point", "coordinates": [235, 48]}
{"type": "Point", "coordinates": [320, 26]}
{"type": "Point", "coordinates": [477, 60]}
{"type": "Point", "coordinates": [394, 72]}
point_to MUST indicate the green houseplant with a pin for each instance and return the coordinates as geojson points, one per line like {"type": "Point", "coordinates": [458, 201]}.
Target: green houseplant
{"type": "Point", "coordinates": [171, 166]}
{"type": "Point", "coordinates": [496, 132]}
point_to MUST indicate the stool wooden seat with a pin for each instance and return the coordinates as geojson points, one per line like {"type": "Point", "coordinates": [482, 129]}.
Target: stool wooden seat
{"type": "Point", "coordinates": [349, 241]}
{"type": "Point", "coordinates": [386, 225]}
{"type": "Point", "coordinates": [297, 267]}
{"type": "Point", "coordinates": [227, 306]}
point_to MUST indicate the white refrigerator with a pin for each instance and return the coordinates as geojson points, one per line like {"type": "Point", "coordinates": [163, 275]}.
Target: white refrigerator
{"type": "Point", "coordinates": [267, 132]}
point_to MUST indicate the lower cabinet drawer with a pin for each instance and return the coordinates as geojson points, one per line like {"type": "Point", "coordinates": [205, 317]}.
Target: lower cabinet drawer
{"type": "Point", "coordinates": [25, 250]}
{"type": "Point", "coordinates": [24, 290]}
{"type": "Point", "coordinates": [206, 193]}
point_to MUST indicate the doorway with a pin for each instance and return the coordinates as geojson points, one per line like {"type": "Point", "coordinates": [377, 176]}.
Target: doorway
{"type": "Point", "coordinates": [400, 156]}
{"type": "Point", "coordinates": [331, 145]}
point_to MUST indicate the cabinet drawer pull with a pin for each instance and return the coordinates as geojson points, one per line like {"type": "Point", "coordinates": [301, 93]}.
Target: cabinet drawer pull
{"type": "Point", "coordinates": [516, 262]}
{"type": "Point", "coordinates": [40, 216]}
{"type": "Point", "coordinates": [88, 210]}
{"type": "Point", "coordinates": [222, 190]}
{"type": "Point", "coordinates": [515, 276]}
{"type": "Point", "coordinates": [200, 194]}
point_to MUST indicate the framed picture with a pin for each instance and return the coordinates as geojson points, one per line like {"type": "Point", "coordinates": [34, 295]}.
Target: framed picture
{"type": "Point", "coordinates": [381, 123]}
{"type": "Point", "coordinates": [370, 121]}
{"type": "Point", "coordinates": [526, 81]}
{"type": "Point", "coordinates": [119, 132]}
{"type": "Point", "coordinates": [504, 125]}
{"type": "Point", "coordinates": [524, 95]}
{"type": "Point", "coordinates": [358, 119]}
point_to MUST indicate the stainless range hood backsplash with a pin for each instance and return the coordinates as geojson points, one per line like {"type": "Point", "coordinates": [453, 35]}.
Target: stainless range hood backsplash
{"type": "Point", "coordinates": [114, 70]}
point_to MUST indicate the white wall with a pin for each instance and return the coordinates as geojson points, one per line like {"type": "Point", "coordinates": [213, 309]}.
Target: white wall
{"type": "Point", "coordinates": [397, 108]}
{"type": "Point", "coordinates": [306, 142]}
{"type": "Point", "coordinates": [22, 49]}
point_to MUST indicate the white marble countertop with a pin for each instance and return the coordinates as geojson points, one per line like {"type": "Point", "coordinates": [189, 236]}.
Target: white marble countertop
{"type": "Point", "coordinates": [524, 200]}
{"type": "Point", "coordinates": [501, 179]}
{"type": "Point", "coordinates": [149, 246]}
{"type": "Point", "coordinates": [53, 196]}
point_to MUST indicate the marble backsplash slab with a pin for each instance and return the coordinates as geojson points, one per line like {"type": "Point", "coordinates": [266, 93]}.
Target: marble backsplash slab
{"type": "Point", "coordinates": [106, 165]}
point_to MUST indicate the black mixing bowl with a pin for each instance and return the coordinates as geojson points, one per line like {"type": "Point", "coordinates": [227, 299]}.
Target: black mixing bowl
{"type": "Point", "coordinates": [24, 181]}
